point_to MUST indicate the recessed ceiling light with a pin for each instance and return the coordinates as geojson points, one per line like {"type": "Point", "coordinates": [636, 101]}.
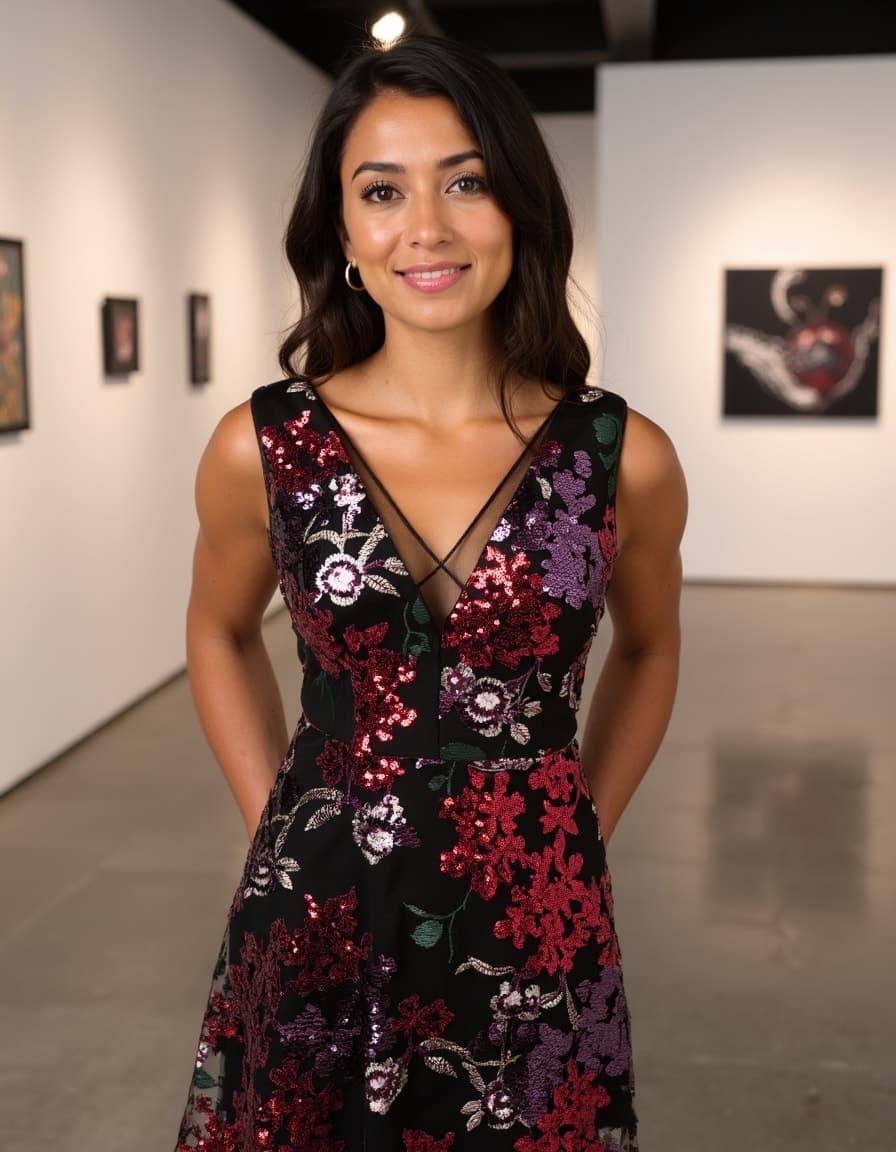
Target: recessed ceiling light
{"type": "Point", "coordinates": [388, 28]}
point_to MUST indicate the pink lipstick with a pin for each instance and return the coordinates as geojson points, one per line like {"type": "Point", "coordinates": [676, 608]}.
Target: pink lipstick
{"type": "Point", "coordinates": [432, 277]}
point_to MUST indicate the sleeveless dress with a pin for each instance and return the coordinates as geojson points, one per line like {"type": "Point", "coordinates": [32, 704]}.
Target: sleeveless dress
{"type": "Point", "coordinates": [421, 955]}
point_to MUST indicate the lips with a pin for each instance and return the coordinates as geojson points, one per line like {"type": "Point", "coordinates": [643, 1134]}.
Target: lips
{"type": "Point", "coordinates": [432, 272]}
{"type": "Point", "coordinates": [432, 277]}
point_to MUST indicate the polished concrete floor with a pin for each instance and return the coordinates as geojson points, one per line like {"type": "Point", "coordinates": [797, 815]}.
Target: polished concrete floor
{"type": "Point", "coordinates": [755, 880]}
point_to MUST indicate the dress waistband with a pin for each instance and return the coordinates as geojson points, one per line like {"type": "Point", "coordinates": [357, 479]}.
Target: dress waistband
{"type": "Point", "coordinates": [461, 754]}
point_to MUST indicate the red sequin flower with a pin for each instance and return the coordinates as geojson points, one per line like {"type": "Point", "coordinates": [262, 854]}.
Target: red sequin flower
{"type": "Point", "coordinates": [299, 457]}
{"type": "Point", "coordinates": [309, 1109]}
{"type": "Point", "coordinates": [324, 949]}
{"type": "Point", "coordinates": [428, 1020]}
{"type": "Point", "coordinates": [413, 1140]}
{"type": "Point", "coordinates": [511, 619]}
{"type": "Point", "coordinates": [572, 1124]}
{"type": "Point", "coordinates": [555, 907]}
{"type": "Point", "coordinates": [487, 843]}
{"type": "Point", "coordinates": [377, 674]}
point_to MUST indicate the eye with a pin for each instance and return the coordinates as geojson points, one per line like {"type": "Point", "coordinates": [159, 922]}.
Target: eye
{"type": "Point", "coordinates": [379, 192]}
{"type": "Point", "coordinates": [469, 183]}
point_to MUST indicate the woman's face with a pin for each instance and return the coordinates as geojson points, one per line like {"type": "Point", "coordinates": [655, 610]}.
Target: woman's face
{"type": "Point", "coordinates": [432, 246]}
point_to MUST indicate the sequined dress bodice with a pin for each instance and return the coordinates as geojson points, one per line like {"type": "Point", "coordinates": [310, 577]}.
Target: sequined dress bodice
{"type": "Point", "coordinates": [421, 955]}
{"type": "Point", "coordinates": [525, 615]}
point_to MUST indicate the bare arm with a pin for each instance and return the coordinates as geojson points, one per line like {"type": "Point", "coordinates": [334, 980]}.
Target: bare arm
{"type": "Point", "coordinates": [636, 688]}
{"type": "Point", "coordinates": [231, 678]}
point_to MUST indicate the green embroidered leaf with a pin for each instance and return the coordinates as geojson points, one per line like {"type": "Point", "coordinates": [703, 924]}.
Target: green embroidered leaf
{"type": "Point", "coordinates": [419, 611]}
{"type": "Point", "coordinates": [606, 428]}
{"type": "Point", "coordinates": [428, 933]}
{"type": "Point", "coordinates": [418, 911]}
{"type": "Point", "coordinates": [201, 1079]}
{"type": "Point", "coordinates": [438, 782]}
{"type": "Point", "coordinates": [457, 750]}
{"type": "Point", "coordinates": [419, 645]}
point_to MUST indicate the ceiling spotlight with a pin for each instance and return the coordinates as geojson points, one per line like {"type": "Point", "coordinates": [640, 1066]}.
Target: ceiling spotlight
{"type": "Point", "coordinates": [388, 29]}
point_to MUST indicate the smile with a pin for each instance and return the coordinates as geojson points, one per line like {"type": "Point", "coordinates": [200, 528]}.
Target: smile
{"type": "Point", "coordinates": [434, 278]}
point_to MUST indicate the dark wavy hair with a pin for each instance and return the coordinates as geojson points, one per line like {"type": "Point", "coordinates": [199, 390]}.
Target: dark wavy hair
{"type": "Point", "coordinates": [537, 336]}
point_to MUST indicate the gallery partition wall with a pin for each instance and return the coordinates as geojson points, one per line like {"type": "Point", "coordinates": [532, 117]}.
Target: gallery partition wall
{"type": "Point", "coordinates": [149, 156]}
{"type": "Point", "coordinates": [746, 234]}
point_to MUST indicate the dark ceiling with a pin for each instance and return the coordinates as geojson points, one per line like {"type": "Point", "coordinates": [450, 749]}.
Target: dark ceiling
{"type": "Point", "coordinates": [552, 48]}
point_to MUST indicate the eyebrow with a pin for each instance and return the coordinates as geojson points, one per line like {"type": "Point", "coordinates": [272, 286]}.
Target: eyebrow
{"type": "Point", "coordinates": [447, 162]}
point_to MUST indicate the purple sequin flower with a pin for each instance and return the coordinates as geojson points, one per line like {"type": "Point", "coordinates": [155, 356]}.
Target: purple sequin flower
{"type": "Point", "coordinates": [456, 682]}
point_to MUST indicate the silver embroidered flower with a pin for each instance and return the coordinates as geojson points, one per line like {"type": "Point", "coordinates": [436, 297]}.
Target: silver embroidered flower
{"type": "Point", "coordinates": [486, 705]}
{"type": "Point", "coordinates": [498, 1105]}
{"type": "Point", "coordinates": [383, 1081]}
{"type": "Point", "coordinates": [379, 828]}
{"type": "Point", "coordinates": [346, 490]}
{"type": "Point", "coordinates": [307, 498]}
{"type": "Point", "coordinates": [341, 578]}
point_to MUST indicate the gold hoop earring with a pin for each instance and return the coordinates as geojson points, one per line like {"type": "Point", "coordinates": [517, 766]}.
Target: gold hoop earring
{"type": "Point", "coordinates": [348, 277]}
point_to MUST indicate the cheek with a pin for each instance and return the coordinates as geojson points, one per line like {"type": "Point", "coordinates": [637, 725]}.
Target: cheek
{"type": "Point", "coordinates": [367, 234]}
{"type": "Point", "coordinates": [498, 235]}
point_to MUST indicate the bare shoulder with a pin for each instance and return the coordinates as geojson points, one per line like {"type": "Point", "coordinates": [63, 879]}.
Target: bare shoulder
{"type": "Point", "coordinates": [230, 480]}
{"type": "Point", "coordinates": [233, 445]}
{"type": "Point", "coordinates": [652, 493]}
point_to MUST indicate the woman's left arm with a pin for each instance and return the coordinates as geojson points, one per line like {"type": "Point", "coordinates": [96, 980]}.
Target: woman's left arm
{"type": "Point", "coordinates": [633, 700]}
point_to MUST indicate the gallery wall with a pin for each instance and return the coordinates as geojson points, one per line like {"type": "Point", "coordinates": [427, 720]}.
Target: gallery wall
{"type": "Point", "coordinates": [572, 142]}
{"type": "Point", "coordinates": [754, 164]}
{"type": "Point", "coordinates": [149, 150]}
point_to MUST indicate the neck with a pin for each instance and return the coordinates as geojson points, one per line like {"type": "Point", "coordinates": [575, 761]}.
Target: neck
{"type": "Point", "coordinates": [436, 378]}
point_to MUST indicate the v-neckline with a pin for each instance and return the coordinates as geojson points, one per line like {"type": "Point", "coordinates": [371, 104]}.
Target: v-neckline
{"type": "Point", "coordinates": [538, 438]}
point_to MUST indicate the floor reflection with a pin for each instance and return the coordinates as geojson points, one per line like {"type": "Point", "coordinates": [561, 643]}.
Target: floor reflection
{"type": "Point", "coordinates": [787, 825]}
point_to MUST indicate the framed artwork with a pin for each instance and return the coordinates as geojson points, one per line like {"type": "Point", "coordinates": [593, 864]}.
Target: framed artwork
{"type": "Point", "coordinates": [802, 342]}
{"type": "Point", "coordinates": [121, 336]}
{"type": "Point", "coordinates": [13, 362]}
{"type": "Point", "coordinates": [200, 323]}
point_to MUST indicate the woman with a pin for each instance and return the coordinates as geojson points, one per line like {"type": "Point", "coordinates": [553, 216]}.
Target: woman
{"type": "Point", "coordinates": [421, 952]}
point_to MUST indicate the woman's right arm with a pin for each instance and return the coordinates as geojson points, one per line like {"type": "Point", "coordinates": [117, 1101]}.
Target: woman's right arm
{"type": "Point", "coordinates": [233, 684]}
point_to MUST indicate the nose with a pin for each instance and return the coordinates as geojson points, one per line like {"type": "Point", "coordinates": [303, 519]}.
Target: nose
{"type": "Point", "coordinates": [427, 221]}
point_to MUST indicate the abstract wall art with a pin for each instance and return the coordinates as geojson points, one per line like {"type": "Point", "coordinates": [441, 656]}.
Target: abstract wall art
{"type": "Point", "coordinates": [802, 342]}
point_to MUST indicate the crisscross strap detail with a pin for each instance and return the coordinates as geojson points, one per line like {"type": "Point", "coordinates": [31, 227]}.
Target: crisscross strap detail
{"type": "Point", "coordinates": [440, 564]}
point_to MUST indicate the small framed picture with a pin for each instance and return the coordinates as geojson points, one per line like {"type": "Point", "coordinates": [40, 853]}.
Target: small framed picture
{"type": "Point", "coordinates": [13, 362]}
{"type": "Point", "coordinates": [121, 336]}
{"type": "Point", "coordinates": [200, 323]}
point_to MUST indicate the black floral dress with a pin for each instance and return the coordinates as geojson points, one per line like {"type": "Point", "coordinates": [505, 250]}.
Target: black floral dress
{"type": "Point", "coordinates": [420, 955]}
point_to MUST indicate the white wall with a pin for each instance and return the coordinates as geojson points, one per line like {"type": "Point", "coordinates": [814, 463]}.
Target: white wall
{"type": "Point", "coordinates": [572, 142]}
{"type": "Point", "coordinates": [705, 166]}
{"type": "Point", "coordinates": [149, 149]}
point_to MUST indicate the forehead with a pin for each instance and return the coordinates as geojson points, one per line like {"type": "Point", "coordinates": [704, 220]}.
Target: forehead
{"type": "Point", "coordinates": [414, 127]}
